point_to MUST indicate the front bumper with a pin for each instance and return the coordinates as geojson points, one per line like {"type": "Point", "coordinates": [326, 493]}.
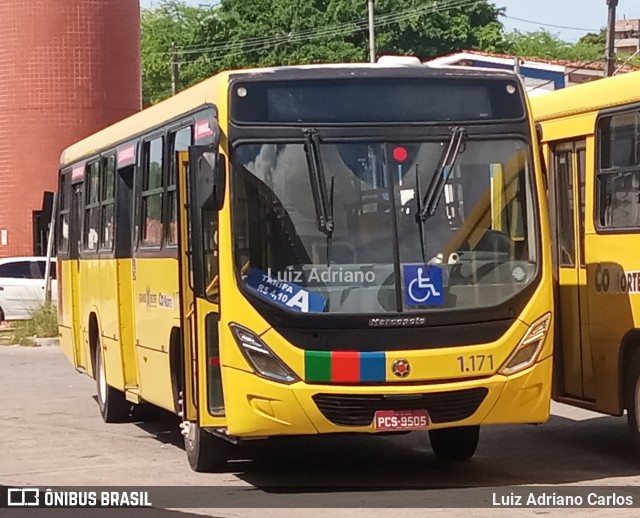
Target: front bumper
{"type": "Point", "coordinates": [263, 408]}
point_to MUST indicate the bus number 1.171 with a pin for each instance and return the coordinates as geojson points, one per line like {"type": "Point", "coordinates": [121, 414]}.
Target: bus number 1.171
{"type": "Point", "coordinates": [475, 362]}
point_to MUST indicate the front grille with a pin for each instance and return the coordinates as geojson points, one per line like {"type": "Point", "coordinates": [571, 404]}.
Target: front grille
{"type": "Point", "coordinates": [358, 410]}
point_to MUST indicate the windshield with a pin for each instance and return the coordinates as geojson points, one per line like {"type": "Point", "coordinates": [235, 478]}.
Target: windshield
{"type": "Point", "coordinates": [383, 252]}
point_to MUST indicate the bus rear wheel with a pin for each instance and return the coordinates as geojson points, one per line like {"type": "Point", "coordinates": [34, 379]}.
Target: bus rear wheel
{"type": "Point", "coordinates": [458, 443]}
{"type": "Point", "coordinates": [114, 408]}
{"type": "Point", "coordinates": [632, 396]}
{"type": "Point", "coordinates": [206, 453]}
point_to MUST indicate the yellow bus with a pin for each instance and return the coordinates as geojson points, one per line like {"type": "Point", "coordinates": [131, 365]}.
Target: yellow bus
{"type": "Point", "coordinates": [314, 250]}
{"type": "Point", "coordinates": [591, 142]}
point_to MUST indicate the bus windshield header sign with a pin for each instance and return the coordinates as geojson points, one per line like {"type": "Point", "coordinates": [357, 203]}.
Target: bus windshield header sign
{"type": "Point", "coordinates": [387, 100]}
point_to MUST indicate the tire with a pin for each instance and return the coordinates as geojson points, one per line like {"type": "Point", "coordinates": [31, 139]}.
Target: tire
{"type": "Point", "coordinates": [206, 453]}
{"type": "Point", "coordinates": [114, 407]}
{"type": "Point", "coordinates": [455, 444]}
{"type": "Point", "coordinates": [632, 399]}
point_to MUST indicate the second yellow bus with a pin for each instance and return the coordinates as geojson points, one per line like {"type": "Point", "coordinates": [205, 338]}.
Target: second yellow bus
{"type": "Point", "coordinates": [591, 142]}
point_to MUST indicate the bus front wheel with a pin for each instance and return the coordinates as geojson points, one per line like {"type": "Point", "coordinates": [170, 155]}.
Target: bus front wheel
{"type": "Point", "coordinates": [112, 403]}
{"type": "Point", "coordinates": [458, 443]}
{"type": "Point", "coordinates": [632, 391]}
{"type": "Point", "coordinates": [206, 453]}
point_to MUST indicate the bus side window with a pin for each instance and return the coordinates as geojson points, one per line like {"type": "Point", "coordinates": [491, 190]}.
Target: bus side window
{"type": "Point", "coordinates": [618, 172]}
{"type": "Point", "coordinates": [92, 207]}
{"type": "Point", "coordinates": [179, 141]}
{"type": "Point", "coordinates": [107, 203]}
{"type": "Point", "coordinates": [563, 169]}
{"type": "Point", "coordinates": [152, 193]}
{"type": "Point", "coordinates": [64, 196]}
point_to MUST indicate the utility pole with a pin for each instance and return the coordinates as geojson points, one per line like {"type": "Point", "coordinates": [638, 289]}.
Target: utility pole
{"type": "Point", "coordinates": [372, 35]}
{"type": "Point", "coordinates": [175, 70]}
{"type": "Point", "coordinates": [47, 268]}
{"type": "Point", "coordinates": [611, 38]}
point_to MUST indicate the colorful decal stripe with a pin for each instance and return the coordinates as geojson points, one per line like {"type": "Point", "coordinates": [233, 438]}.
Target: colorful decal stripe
{"type": "Point", "coordinates": [344, 367]}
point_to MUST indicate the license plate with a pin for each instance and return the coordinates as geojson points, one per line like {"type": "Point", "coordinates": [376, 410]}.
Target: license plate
{"type": "Point", "coordinates": [401, 420]}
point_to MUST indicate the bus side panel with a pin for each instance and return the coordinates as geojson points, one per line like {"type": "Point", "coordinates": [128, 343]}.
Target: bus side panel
{"type": "Point", "coordinates": [155, 377]}
{"type": "Point", "coordinates": [614, 311]}
{"type": "Point", "coordinates": [80, 320]}
{"type": "Point", "coordinates": [125, 316]}
{"type": "Point", "coordinates": [157, 311]}
{"type": "Point", "coordinates": [65, 309]}
{"type": "Point", "coordinates": [88, 294]}
{"type": "Point", "coordinates": [107, 304]}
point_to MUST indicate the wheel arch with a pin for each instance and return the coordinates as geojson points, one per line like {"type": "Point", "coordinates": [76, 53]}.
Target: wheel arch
{"type": "Point", "coordinates": [94, 339]}
{"type": "Point", "coordinates": [629, 344]}
{"type": "Point", "coordinates": [176, 364]}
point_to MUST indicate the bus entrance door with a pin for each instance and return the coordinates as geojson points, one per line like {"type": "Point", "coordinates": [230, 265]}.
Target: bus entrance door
{"type": "Point", "coordinates": [126, 274]}
{"type": "Point", "coordinates": [568, 192]}
{"type": "Point", "coordinates": [198, 259]}
{"type": "Point", "coordinates": [75, 245]}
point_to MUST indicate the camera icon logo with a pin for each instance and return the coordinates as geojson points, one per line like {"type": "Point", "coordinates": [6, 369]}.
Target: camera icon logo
{"type": "Point", "coordinates": [23, 497]}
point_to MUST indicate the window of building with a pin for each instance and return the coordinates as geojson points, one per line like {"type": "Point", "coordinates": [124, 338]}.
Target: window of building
{"type": "Point", "coordinates": [618, 174]}
{"type": "Point", "coordinates": [108, 203]}
{"type": "Point", "coordinates": [92, 206]}
{"type": "Point", "coordinates": [152, 193]}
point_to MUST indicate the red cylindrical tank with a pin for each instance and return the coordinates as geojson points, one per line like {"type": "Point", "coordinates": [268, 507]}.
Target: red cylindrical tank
{"type": "Point", "coordinates": [67, 69]}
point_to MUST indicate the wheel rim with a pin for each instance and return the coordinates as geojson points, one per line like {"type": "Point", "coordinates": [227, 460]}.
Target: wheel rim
{"type": "Point", "coordinates": [102, 379]}
{"type": "Point", "coordinates": [188, 432]}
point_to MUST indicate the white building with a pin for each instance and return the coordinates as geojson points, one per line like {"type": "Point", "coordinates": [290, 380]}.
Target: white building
{"type": "Point", "coordinates": [539, 75]}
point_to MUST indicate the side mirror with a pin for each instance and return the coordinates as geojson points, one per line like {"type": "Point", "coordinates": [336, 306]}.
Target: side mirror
{"type": "Point", "coordinates": [208, 175]}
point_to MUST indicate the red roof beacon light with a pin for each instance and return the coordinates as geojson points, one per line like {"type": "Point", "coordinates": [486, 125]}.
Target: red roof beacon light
{"type": "Point", "coordinates": [400, 154]}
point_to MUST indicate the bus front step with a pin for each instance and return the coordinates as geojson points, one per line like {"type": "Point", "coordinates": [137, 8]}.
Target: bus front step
{"type": "Point", "coordinates": [132, 394]}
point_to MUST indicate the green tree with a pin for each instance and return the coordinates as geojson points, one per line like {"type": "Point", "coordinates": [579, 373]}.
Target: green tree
{"type": "Point", "coordinates": [336, 30]}
{"type": "Point", "coordinates": [598, 39]}
{"type": "Point", "coordinates": [172, 22]}
{"type": "Point", "coordinates": [245, 33]}
{"type": "Point", "coordinates": [543, 44]}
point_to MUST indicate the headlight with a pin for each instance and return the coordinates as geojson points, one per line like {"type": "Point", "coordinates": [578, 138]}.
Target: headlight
{"type": "Point", "coordinates": [528, 350]}
{"type": "Point", "coordinates": [260, 357]}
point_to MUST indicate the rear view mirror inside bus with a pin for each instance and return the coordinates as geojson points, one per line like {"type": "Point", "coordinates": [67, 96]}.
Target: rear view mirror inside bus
{"type": "Point", "coordinates": [208, 176]}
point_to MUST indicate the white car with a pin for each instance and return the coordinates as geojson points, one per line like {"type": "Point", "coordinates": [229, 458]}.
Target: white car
{"type": "Point", "coordinates": [22, 286]}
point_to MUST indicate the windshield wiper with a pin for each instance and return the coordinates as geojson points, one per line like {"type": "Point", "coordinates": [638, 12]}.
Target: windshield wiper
{"type": "Point", "coordinates": [441, 175]}
{"type": "Point", "coordinates": [322, 199]}
{"type": "Point", "coordinates": [419, 219]}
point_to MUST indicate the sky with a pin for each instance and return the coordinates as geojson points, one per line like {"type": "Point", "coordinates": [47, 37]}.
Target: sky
{"type": "Point", "coordinates": [576, 16]}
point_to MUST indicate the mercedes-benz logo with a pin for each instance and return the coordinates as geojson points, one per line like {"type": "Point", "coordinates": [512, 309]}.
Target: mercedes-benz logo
{"type": "Point", "coordinates": [401, 368]}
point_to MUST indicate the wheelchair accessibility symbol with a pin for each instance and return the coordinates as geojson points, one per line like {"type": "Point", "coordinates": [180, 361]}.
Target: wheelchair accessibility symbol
{"type": "Point", "coordinates": [423, 285]}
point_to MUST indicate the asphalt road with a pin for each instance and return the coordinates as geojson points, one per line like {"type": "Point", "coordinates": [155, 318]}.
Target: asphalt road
{"type": "Point", "coordinates": [53, 436]}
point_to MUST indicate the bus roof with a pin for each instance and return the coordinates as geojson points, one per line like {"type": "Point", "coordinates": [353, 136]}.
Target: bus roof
{"type": "Point", "coordinates": [204, 93]}
{"type": "Point", "coordinates": [590, 97]}
{"type": "Point", "coordinates": [151, 117]}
